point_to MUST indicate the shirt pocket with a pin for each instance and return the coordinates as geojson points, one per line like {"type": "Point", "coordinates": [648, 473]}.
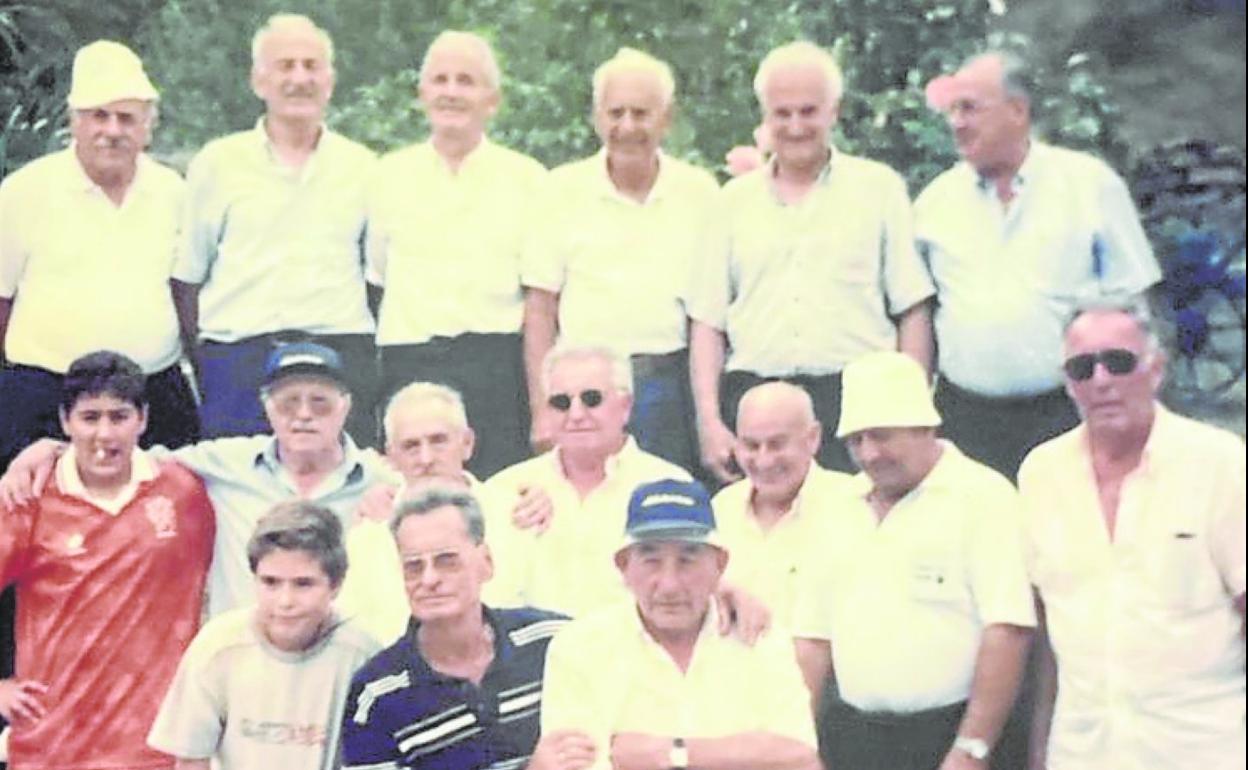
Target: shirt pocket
{"type": "Point", "coordinates": [938, 581]}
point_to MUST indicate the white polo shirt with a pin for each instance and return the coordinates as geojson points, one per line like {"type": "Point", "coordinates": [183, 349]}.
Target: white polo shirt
{"type": "Point", "coordinates": [569, 568]}
{"type": "Point", "coordinates": [807, 288]}
{"type": "Point", "coordinates": [1149, 644]}
{"type": "Point", "coordinates": [275, 247]}
{"type": "Point", "coordinates": [446, 246]}
{"type": "Point", "coordinates": [83, 273]}
{"type": "Point", "coordinates": [622, 269]}
{"type": "Point", "coordinates": [770, 563]}
{"type": "Point", "coordinates": [605, 674]}
{"type": "Point", "coordinates": [1008, 277]}
{"type": "Point", "coordinates": [905, 601]}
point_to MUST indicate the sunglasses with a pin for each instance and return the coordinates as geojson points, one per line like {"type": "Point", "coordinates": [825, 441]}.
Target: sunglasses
{"type": "Point", "coordinates": [562, 402]}
{"type": "Point", "coordinates": [1116, 360]}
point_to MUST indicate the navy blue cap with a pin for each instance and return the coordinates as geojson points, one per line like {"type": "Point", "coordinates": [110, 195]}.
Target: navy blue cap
{"type": "Point", "coordinates": [670, 510]}
{"type": "Point", "coordinates": [305, 358]}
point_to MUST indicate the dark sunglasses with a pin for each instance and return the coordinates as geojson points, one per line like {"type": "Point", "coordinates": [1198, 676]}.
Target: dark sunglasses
{"type": "Point", "coordinates": [562, 402]}
{"type": "Point", "coordinates": [1116, 360]}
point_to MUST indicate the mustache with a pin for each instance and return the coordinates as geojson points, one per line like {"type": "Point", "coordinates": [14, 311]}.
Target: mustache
{"type": "Point", "coordinates": [300, 91]}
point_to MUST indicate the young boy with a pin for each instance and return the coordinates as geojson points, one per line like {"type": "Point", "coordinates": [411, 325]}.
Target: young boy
{"type": "Point", "coordinates": [109, 563]}
{"type": "Point", "coordinates": [264, 686]}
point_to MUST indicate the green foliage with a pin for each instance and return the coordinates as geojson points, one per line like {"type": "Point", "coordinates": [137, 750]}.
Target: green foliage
{"type": "Point", "coordinates": [198, 53]}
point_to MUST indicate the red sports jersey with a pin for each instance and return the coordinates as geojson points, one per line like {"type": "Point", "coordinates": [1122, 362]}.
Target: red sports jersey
{"type": "Point", "coordinates": [105, 607]}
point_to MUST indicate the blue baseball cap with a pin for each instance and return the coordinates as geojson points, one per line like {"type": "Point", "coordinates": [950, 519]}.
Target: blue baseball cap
{"type": "Point", "coordinates": [304, 358]}
{"type": "Point", "coordinates": [670, 510]}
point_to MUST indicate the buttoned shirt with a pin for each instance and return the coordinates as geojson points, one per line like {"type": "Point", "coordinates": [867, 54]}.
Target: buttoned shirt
{"type": "Point", "coordinates": [1149, 644]}
{"type": "Point", "coordinates": [244, 479]}
{"type": "Point", "coordinates": [904, 601]}
{"type": "Point", "coordinates": [446, 244]}
{"type": "Point", "coordinates": [770, 563]}
{"type": "Point", "coordinates": [605, 674]}
{"type": "Point", "coordinates": [85, 274]}
{"type": "Point", "coordinates": [623, 269]}
{"type": "Point", "coordinates": [1007, 277]}
{"type": "Point", "coordinates": [276, 248]}
{"type": "Point", "coordinates": [805, 288]}
{"type": "Point", "coordinates": [570, 567]}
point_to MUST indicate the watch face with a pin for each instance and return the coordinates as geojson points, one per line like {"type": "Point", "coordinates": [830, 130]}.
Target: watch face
{"type": "Point", "coordinates": [976, 748]}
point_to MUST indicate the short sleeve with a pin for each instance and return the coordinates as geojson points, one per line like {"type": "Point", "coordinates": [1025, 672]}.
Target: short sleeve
{"type": "Point", "coordinates": [366, 741]}
{"type": "Point", "coordinates": [571, 694]}
{"type": "Point", "coordinates": [510, 548]}
{"type": "Point", "coordinates": [1128, 266]}
{"type": "Point", "coordinates": [16, 530]}
{"type": "Point", "coordinates": [906, 279]}
{"type": "Point", "coordinates": [202, 225]}
{"type": "Point", "coordinates": [543, 263]}
{"type": "Point", "coordinates": [710, 291]}
{"type": "Point", "coordinates": [13, 250]}
{"type": "Point", "coordinates": [811, 614]}
{"type": "Point", "coordinates": [192, 717]}
{"type": "Point", "coordinates": [998, 563]}
{"type": "Point", "coordinates": [1228, 527]}
{"type": "Point", "coordinates": [783, 701]}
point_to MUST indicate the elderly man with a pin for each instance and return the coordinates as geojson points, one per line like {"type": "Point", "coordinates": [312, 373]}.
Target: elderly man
{"type": "Point", "coordinates": [614, 225]}
{"type": "Point", "coordinates": [87, 236]}
{"type": "Point", "coordinates": [1014, 235]}
{"type": "Point", "coordinates": [670, 692]}
{"type": "Point", "coordinates": [814, 264]}
{"type": "Point", "coordinates": [463, 687]}
{"type": "Point", "coordinates": [777, 518]}
{"type": "Point", "coordinates": [109, 564]}
{"type": "Point", "coordinates": [447, 218]}
{"type": "Point", "coordinates": [589, 476]}
{"type": "Point", "coordinates": [919, 607]}
{"type": "Point", "coordinates": [1136, 549]}
{"type": "Point", "coordinates": [271, 250]}
{"type": "Point", "coordinates": [308, 457]}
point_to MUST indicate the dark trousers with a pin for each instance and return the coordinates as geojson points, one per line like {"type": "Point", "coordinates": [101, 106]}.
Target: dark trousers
{"type": "Point", "coordinates": [825, 392]}
{"type": "Point", "coordinates": [850, 739]}
{"type": "Point", "coordinates": [30, 400]}
{"type": "Point", "coordinates": [488, 372]}
{"type": "Point", "coordinates": [999, 432]}
{"type": "Point", "coordinates": [230, 374]}
{"type": "Point", "coordinates": [662, 417]}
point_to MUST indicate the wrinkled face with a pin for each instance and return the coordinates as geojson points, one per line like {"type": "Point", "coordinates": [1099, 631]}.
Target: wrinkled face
{"type": "Point", "coordinates": [307, 413]}
{"type": "Point", "coordinates": [104, 430]}
{"type": "Point", "coordinates": [597, 411]}
{"type": "Point", "coordinates": [896, 459]}
{"type": "Point", "coordinates": [1114, 402]}
{"type": "Point", "coordinates": [630, 117]}
{"type": "Point", "coordinates": [988, 126]}
{"type": "Point", "coordinates": [427, 443]}
{"type": "Point", "coordinates": [293, 76]}
{"type": "Point", "coordinates": [798, 113]}
{"type": "Point", "coordinates": [672, 582]}
{"type": "Point", "coordinates": [108, 138]}
{"type": "Point", "coordinates": [443, 570]}
{"type": "Point", "coordinates": [294, 599]}
{"type": "Point", "coordinates": [775, 447]}
{"type": "Point", "coordinates": [455, 94]}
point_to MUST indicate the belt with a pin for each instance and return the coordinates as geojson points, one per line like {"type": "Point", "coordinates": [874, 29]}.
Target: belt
{"type": "Point", "coordinates": [650, 364]}
{"type": "Point", "coordinates": [900, 719]}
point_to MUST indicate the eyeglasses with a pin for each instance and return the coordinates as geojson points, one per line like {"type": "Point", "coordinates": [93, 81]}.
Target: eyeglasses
{"type": "Point", "coordinates": [562, 402]}
{"type": "Point", "coordinates": [1116, 360]}
{"type": "Point", "coordinates": [318, 405]}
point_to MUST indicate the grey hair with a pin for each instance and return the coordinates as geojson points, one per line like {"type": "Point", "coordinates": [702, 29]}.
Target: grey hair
{"type": "Point", "coordinates": [621, 368]}
{"type": "Point", "coordinates": [469, 41]}
{"type": "Point", "coordinates": [425, 392]}
{"type": "Point", "coordinates": [1135, 308]}
{"type": "Point", "coordinates": [790, 391]}
{"type": "Point", "coordinates": [800, 53]}
{"type": "Point", "coordinates": [632, 60]}
{"type": "Point", "coordinates": [289, 22]}
{"type": "Point", "coordinates": [1017, 78]}
{"type": "Point", "coordinates": [434, 498]}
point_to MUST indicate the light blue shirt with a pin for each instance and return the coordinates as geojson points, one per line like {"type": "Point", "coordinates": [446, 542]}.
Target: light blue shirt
{"type": "Point", "coordinates": [244, 479]}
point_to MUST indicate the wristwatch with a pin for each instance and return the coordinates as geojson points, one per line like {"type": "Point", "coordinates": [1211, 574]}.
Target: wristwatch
{"type": "Point", "coordinates": [678, 756]}
{"type": "Point", "coordinates": [975, 748]}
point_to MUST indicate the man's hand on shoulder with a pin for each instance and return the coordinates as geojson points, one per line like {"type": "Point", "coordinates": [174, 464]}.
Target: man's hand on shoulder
{"type": "Point", "coordinates": [377, 504]}
{"type": "Point", "coordinates": [741, 614]}
{"type": "Point", "coordinates": [21, 700]}
{"type": "Point", "coordinates": [29, 472]}
{"type": "Point", "coordinates": [533, 510]}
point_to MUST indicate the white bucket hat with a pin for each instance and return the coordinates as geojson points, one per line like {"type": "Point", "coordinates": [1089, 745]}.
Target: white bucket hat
{"type": "Point", "coordinates": [105, 71]}
{"type": "Point", "coordinates": [885, 390]}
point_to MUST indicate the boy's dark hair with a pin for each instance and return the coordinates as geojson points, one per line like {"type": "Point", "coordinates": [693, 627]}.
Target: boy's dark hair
{"type": "Point", "coordinates": [103, 373]}
{"type": "Point", "coordinates": [301, 526]}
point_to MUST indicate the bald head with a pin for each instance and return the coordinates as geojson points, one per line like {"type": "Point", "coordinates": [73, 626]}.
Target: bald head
{"type": "Point", "coordinates": [777, 439]}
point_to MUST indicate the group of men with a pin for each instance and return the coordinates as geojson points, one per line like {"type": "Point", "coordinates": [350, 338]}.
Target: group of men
{"type": "Point", "coordinates": [641, 325]}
